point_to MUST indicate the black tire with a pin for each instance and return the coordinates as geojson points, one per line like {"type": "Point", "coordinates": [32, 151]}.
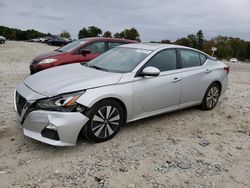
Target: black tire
{"type": "Point", "coordinates": [100, 128]}
{"type": "Point", "coordinates": [211, 97]}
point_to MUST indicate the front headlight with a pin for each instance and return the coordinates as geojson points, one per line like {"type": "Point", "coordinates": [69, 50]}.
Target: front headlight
{"type": "Point", "coordinates": [64, 103]}
{"type": "Point", "coordinates": [47, 61]}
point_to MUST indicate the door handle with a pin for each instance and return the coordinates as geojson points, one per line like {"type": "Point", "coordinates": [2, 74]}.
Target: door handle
{"type": "Point", "coordinates": [208, 70]}
{"type": "Point", "coordinates": [176, 79]}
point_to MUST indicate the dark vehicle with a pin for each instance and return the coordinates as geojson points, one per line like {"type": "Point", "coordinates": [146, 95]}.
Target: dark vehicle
{"type": "Point", "coordinates": [2, 39]}
{"type": "Point", "coordinates": [58, 42]}
{"type": "Point", "coordinates": [82, 50]}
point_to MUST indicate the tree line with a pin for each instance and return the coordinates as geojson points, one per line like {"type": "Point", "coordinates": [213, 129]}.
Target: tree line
{"type": "Point", "coordinates": [227, 47]}
{"type": "Point", "coordinates": [94, 31]}
{"type": "Point", "coordinates": [17, 34]}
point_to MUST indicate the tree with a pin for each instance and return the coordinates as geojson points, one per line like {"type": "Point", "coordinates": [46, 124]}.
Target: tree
{"type": "Point", "coordinates": [131, 34]}
{"type": "Point", "coordinates": [65, 34]}
{"type": "Point", "coordinates": [117, 35]}
{"type": "Point", "coordinates": [207, 47]}
{"type": "Point", "coordinates": [166, 41]}
{"type": "Point", "coordinates": [92, 31]}
{"type": "Point", "coordinates": [83, 33]}
{"type": "Point", "coordinates": [248, 50]}
{"type": "Point", "coordinates": [192, 41]}
{"type": "Point", "coordinates": [107, 34]}
{"type": "Point", "coordinates": [182, 41]}
{"type": "Point", "coordinates": [17, 34]}
{"type": "Point", "coordinates": [200, 39]}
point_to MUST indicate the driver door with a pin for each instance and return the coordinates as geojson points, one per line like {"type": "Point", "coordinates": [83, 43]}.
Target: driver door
{"type": "Point", "coordinates": [96, 49]}
{"type": "Point", "coordinates": [161, 93]}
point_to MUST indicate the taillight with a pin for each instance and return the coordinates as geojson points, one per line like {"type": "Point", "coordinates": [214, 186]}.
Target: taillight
{"type": "Point", "coordinates": [227, 69]}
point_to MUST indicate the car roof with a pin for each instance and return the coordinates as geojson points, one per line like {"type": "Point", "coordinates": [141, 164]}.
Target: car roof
{"type": "Point", "coordinates": [154, 46]}
{"type": "Point", "coordinates": [108, 38]}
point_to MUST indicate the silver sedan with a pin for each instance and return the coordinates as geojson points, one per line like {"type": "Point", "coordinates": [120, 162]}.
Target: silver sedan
{"type": "Point", "coordinates": [125, 84]}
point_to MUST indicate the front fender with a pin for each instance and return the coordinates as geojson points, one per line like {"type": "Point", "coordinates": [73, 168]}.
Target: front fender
{"type": "Point", "coordinates": [123, 92]}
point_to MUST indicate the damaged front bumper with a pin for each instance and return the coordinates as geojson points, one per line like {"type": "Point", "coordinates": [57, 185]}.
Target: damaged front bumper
{"type": "Point", "coordinates": [51, 127]}
{"type": "Point", "coordinates": [54, 128]}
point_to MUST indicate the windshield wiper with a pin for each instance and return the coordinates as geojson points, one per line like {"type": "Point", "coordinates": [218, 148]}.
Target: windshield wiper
{"type": "Point", "coordinates": [98, 68]}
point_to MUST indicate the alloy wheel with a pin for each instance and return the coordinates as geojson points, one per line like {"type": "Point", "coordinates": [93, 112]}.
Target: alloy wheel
{"type": "Point", "coordinates": [105, 122]}
{"type": "Point", "coordinates": [212, 97]}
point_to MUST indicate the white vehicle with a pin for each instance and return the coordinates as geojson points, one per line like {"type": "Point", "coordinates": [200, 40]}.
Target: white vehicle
{"type": "Point", "coordinates": [2, 39]}
{"type": "Point", "coordinates": [234, 60]}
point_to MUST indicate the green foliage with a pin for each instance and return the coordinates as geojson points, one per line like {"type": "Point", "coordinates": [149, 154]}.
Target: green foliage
{"type": "Point", "coordinates": [182, 41]}
{"type": "Point", "coordinates": [166, 41]}
{"type": "Point", "coordinates": [107, 34]}
{"type": "Point", "coordinates": [17, 34]}
{"type": "Point", "coordinates": [117, 35]}
{"type": "Point", "coordinates": [92, 31]}
{"type": "Point", "coordinates": [131, 34]}
{"type": "Point", "coordinates": [199, 40]}
{"type": "Point", "coordinates": [227, 47]}
{"type": "Point", "coordinates": [65, 34]}
{"type": "Point", "coordinates": [192, 40]}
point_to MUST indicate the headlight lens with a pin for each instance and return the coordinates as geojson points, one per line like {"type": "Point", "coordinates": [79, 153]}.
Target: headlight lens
{"type": "Point", "coordinates": [64, 103]}
{"type": "Point", "coordinates": [47, 61]}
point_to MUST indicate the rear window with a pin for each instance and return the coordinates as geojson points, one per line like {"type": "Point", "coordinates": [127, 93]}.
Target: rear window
{"type": "Point", "coordinates": [203, 58]}
{"type": "Point", "coordinates": [189, 58]}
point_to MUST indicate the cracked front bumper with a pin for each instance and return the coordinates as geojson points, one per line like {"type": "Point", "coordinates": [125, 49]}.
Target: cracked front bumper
{"type": "Point", "coordinates": [67, 124]}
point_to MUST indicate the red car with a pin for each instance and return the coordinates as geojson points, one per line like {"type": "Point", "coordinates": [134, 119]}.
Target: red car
{"type": "Point", "coordinates": [82, 50]}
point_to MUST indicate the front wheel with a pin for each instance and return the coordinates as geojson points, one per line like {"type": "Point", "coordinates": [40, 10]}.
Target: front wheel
{"type": "Point", "coordinates": [211, 97]}
{"type": "Point", "coordinates": [105, 119]}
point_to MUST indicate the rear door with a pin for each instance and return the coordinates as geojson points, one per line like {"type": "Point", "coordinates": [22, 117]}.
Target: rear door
{"type": "Point", "coordinates": [195, 77]}
{"type": "Point", "coordinates": [159, 93]}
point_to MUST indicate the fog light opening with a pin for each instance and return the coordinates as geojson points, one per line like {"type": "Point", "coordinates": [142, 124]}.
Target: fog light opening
{"type": "Point", "coordinates": [50, 132]}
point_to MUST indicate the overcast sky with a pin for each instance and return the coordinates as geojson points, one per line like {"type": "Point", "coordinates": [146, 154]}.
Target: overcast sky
{"type": "Point", "coordinates": [154, 19]}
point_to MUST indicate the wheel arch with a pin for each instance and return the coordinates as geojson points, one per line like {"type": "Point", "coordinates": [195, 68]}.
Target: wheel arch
{"type": "Point", "coordinates": [218, 83]}
{"type": "Point", "coordinates": [119, 101]}
{"type": "Point", "coordinates": [123, 106]}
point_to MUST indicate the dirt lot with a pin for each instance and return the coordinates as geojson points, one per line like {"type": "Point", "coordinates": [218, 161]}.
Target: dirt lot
{"type": "Point", "coordinates": [163, 151]}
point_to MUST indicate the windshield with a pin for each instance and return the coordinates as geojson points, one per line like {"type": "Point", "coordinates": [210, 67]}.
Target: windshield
{"type": "Point", "coordinates": [72, 45]}
{"type": "Point", "coordinates": [119, 59]}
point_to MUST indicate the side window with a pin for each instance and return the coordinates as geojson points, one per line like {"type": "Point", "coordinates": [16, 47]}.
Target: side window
{"type": "Point", "coordinates": [164, 60]}
{"type": "Point", "coordinates": [203, 58]}
{"type": "Point", "coordinates": [98, 47]}
{"type": "Point", "coordinates": [189, 58]}
{"type": "Point", "coordinates": [114, 44]}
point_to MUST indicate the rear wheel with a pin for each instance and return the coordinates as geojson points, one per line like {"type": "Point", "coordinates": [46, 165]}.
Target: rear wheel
{"type": "Point", "coordinates": [211, 97]}
{"type": "Point", "coordinates": [105, 119]}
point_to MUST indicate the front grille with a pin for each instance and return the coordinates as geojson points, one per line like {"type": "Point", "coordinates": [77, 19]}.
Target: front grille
{"type": "Point", "coordinates": [20, 102]}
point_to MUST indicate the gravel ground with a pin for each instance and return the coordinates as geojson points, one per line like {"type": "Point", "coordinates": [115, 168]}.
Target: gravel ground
{"type": "Point", "coordinates": [188, 148]}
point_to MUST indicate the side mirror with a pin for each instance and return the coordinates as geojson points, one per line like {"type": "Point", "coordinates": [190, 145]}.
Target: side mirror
{"type": "Point", "coordinates": [150, 71]}
{"type": "Point", "coordinates": [84, 52]}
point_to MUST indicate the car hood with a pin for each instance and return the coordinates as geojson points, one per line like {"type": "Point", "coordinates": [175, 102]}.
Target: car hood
{"type": "Point", "coordinates": [47, 55]}
{"type": "Point", "coordinates": [69, 78]}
